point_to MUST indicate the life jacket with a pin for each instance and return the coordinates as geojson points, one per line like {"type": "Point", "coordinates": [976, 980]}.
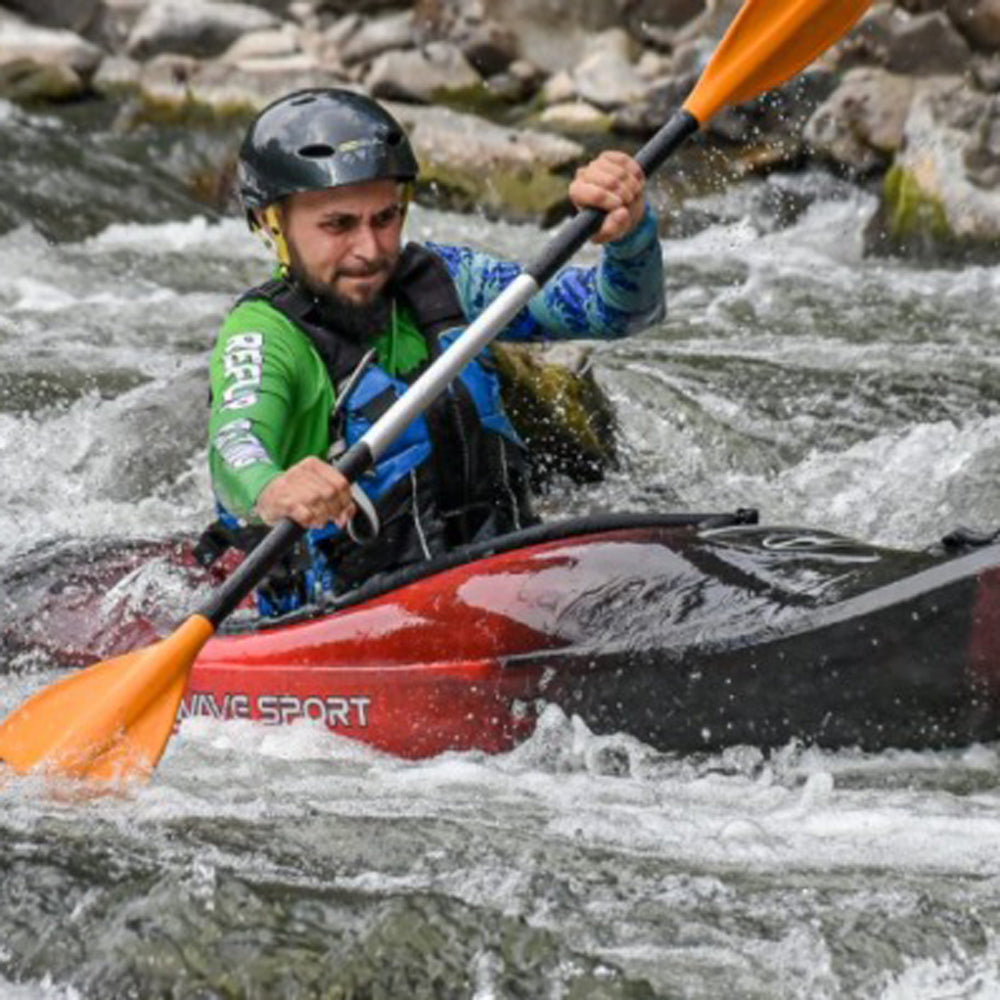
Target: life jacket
{"type": "Point", "coordinates": [456, 475]}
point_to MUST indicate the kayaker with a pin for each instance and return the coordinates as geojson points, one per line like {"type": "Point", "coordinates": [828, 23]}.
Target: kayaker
{"type": "Point", "coordinates": [307, 361]}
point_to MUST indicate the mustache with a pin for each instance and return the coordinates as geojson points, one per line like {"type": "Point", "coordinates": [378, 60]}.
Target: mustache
{"type": "Point", "coordinates": [365, 271]}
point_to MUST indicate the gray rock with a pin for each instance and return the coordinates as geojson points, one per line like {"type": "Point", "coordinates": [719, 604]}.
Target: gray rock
{"type": "Point", "coordinates": [76, 15]}
{"type": "Point", "coordinates": [23, 79]}
{"type": "Point", "coordinates": [271, 43]}
{"type": "Point", "coordinates": [489, 46]}
{"type": "Point", "coordinates": [942, 197]}
{"type": "Point", "coordinates": [924, 44]}
{"type": "Point", "coordinates": [860, 126]}
{"type": "Point", "coordinates": [559, 410]}
{"type": "Point", "coordinates": [47, 47]}
{"type": "Point", "coordinates": [986, 73]}
{"type": "Point", "coordinates": [200, 28]}
{"type": "Point", "coordinates": [181, 85]}
{"type": "Point", "coordinates": [117, 73]}
{"type": "Point", "coordinates": [422, 75]}
{"type": "Point", "coordinates": [575, 116]}
{"type": "Point", "coordinates": [978, 20]}
{"type": "Point", "coordinates": [381, 34]}
{"type": "Point", "coordinates": [470, 163]}
{"type": "Point", "coordinates": [606, 76]}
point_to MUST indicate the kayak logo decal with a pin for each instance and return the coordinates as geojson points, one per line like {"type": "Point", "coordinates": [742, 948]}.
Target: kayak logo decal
{"type": "Point", "coordinates": [350, 712]}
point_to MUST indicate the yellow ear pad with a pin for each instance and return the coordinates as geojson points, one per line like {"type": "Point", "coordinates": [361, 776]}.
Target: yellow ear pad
{"type": "Point", "coordinates": [274, 236]}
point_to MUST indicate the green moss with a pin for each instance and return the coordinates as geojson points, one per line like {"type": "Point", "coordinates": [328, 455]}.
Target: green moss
{"type": "Point", "coordinates": [564, 417]}
{"type": "Point", "coordinates": [517, 194]}
{"type": "Point", "coordinates": [912, 214]}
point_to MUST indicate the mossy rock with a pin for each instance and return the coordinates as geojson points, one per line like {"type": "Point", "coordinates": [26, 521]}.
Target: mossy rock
{"type": "Point", "coordinates": [910, 222]}
{"type": "Point", "coordinates": [559, 410]}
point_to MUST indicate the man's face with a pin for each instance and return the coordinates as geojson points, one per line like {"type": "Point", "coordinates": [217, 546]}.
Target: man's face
{"type": "Point", "coordinates": [346, 240]}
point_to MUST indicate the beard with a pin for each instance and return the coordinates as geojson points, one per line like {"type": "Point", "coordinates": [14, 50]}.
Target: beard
{"type": "Point", "coordinates": [361, 322]}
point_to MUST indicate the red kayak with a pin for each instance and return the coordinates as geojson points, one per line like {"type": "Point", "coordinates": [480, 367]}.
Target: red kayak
{"type": "Point", "coordinates": [689, 632]}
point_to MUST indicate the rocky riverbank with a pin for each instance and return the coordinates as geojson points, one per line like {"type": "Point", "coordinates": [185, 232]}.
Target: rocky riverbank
{"type": "Point", "coordinates": [504, 97]}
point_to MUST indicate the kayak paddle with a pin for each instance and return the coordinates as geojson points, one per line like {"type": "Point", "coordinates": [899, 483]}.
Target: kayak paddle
{"type": "Point", "coordinates": [114, 719]}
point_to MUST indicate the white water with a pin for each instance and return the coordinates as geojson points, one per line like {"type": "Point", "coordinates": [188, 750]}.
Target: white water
{"type": "Point", "coordinates": [791, 375]}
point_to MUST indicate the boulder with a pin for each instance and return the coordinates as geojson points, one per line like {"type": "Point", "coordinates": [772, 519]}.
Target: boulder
{"type": "Point", "coordinates": [48, 46]}
{"type": "Point", "coordinates": [381, 34]}
{"type": "Point", "coordinates": [25, 80]}
{"type": "Point", "coordinates": [558, 409]}
{"type": "Point", "coordinates": [489, 46]}
{"type": "Point", "coordinates": [437, 72]}
{"type": "Point", "coordinates": [468, 163]}
{"type": "Point", "coordinates": [76, 15]}
{"type": "Point", "coordinates": [860, 126]}
{"type": "Point", "coordinates": [941, 199]}
{"type": "Point", "coordinates": [117, 74]}
{"type": "Point", "coordinates": [920, 44]}
{"type": "Point", "coordinates": [606, 76]}
{"type": "Point", "coordinates": [271, 43]}
{"type": "Point", "coordinates": [199, 28]}
{"type": "Point", "coordinates": [978, 20]}
{"type": "Point", "coordinates": [575, 116]}
{"type": "Point", "coordinates": [176, 87]}
{"type": "Point", "coordinates": [44, 63]}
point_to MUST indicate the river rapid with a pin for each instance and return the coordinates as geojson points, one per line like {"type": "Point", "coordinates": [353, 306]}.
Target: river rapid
{"type": "Point", "coordinates": [791, 374]}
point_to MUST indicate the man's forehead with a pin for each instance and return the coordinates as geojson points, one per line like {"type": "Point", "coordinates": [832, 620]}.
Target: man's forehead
{"type": "Point", "coordinates": [349, 199]}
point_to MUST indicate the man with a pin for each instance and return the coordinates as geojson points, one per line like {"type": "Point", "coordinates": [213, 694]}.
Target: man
{"type": "Point", "coordinates": [306, 362]}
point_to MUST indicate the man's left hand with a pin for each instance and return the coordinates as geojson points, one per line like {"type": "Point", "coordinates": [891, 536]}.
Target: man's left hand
{"type": "Point", "coordinates": [615, 183]}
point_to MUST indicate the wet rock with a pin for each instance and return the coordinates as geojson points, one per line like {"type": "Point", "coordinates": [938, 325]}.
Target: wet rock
{"type": "Point", "coordinates": [117, 74]}
{"type": "Point", "coordinates": [76, 15]}
{"type": "Point", "coordinates": [391, 31]}
{"type": "Point", "coordinates": [860, 126]}
{"type": "Point", "coordinates": [769, 131]}
{"type": "Point", "coordinates": [606, 76]}
{"type": "Point", "coordinates": [657, 22]}
{"type": "Point", "coordinates": [575, 116]}
{"type": "Point", "coordinates": [272, 43]}
{"type": "Point", "coordinates": [27, 80]}
{"type": "Point", "coordinates": [43, 63]}
{"type": "Point", "coordinates": [978, 20]}
{"type": "Point", "coordinates": [200, 28]}
{"type": "Point", "coordinates": [489, 46]}
{"type": "Point", "coordinates": [986, 73]}
{"type": "Point", "coordinates": [941, 199]}
{"type": "Point", "coordinates": [175, 87]}
{"type": "Point", "coordinates": [468, 163]}
{"type": "Point", "coordinates": [659, 103]}
{"type": "Point", "coordinates": [922, 44]}
{"type": "Point", "coordinates": [559, 88]}
{"type": "Point", "coordinates": [437, 72]}
{"type": "Point", "coordinates": [47, 46]}
{"type": "Point", "coordinates": [558, 409]}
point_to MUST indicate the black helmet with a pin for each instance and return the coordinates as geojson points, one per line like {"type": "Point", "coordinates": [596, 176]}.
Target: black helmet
{"type": "Point", "coordinates": [320, 138]}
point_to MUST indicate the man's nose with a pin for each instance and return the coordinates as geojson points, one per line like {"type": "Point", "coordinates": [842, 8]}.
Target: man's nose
{"type": "Point", "coordinates": [365, 243]}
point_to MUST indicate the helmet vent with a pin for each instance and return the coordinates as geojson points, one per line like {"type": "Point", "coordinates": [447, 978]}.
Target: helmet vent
{"type": "Point", "coordinates": [317, 151]}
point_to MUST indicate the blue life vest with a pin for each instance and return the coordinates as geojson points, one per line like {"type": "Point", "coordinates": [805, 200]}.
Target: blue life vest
{"type": "Point", "coordinates": [457, 474]}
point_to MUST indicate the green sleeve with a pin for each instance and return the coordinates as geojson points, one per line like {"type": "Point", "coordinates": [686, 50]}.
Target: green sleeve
{"type": "Point", "coordinates": [271, 400]}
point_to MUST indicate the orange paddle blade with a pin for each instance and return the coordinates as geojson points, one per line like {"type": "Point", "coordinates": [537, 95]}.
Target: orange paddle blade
{"type": "Point", "coordinates": [769, 42]}
{"type": "Point", "coordinates": [111, 720]}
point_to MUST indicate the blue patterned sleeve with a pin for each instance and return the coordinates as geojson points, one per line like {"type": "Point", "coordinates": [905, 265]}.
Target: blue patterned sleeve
{"type": "Point", "coordinates": [621, 295]}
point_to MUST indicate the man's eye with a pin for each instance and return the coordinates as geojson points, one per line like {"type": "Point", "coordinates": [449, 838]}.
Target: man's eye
{"type": "Point", "coordinates": [340, 225]}
{"type": "Point", "coordinates": [386, 217]}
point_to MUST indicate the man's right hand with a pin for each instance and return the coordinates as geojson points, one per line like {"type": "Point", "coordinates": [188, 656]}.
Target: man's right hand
{"type": "Point", "coordinates": [311, 493]}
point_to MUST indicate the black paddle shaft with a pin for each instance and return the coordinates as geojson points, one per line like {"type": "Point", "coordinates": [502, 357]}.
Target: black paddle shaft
{"type": "Point", "coordinates": [359, 458]}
